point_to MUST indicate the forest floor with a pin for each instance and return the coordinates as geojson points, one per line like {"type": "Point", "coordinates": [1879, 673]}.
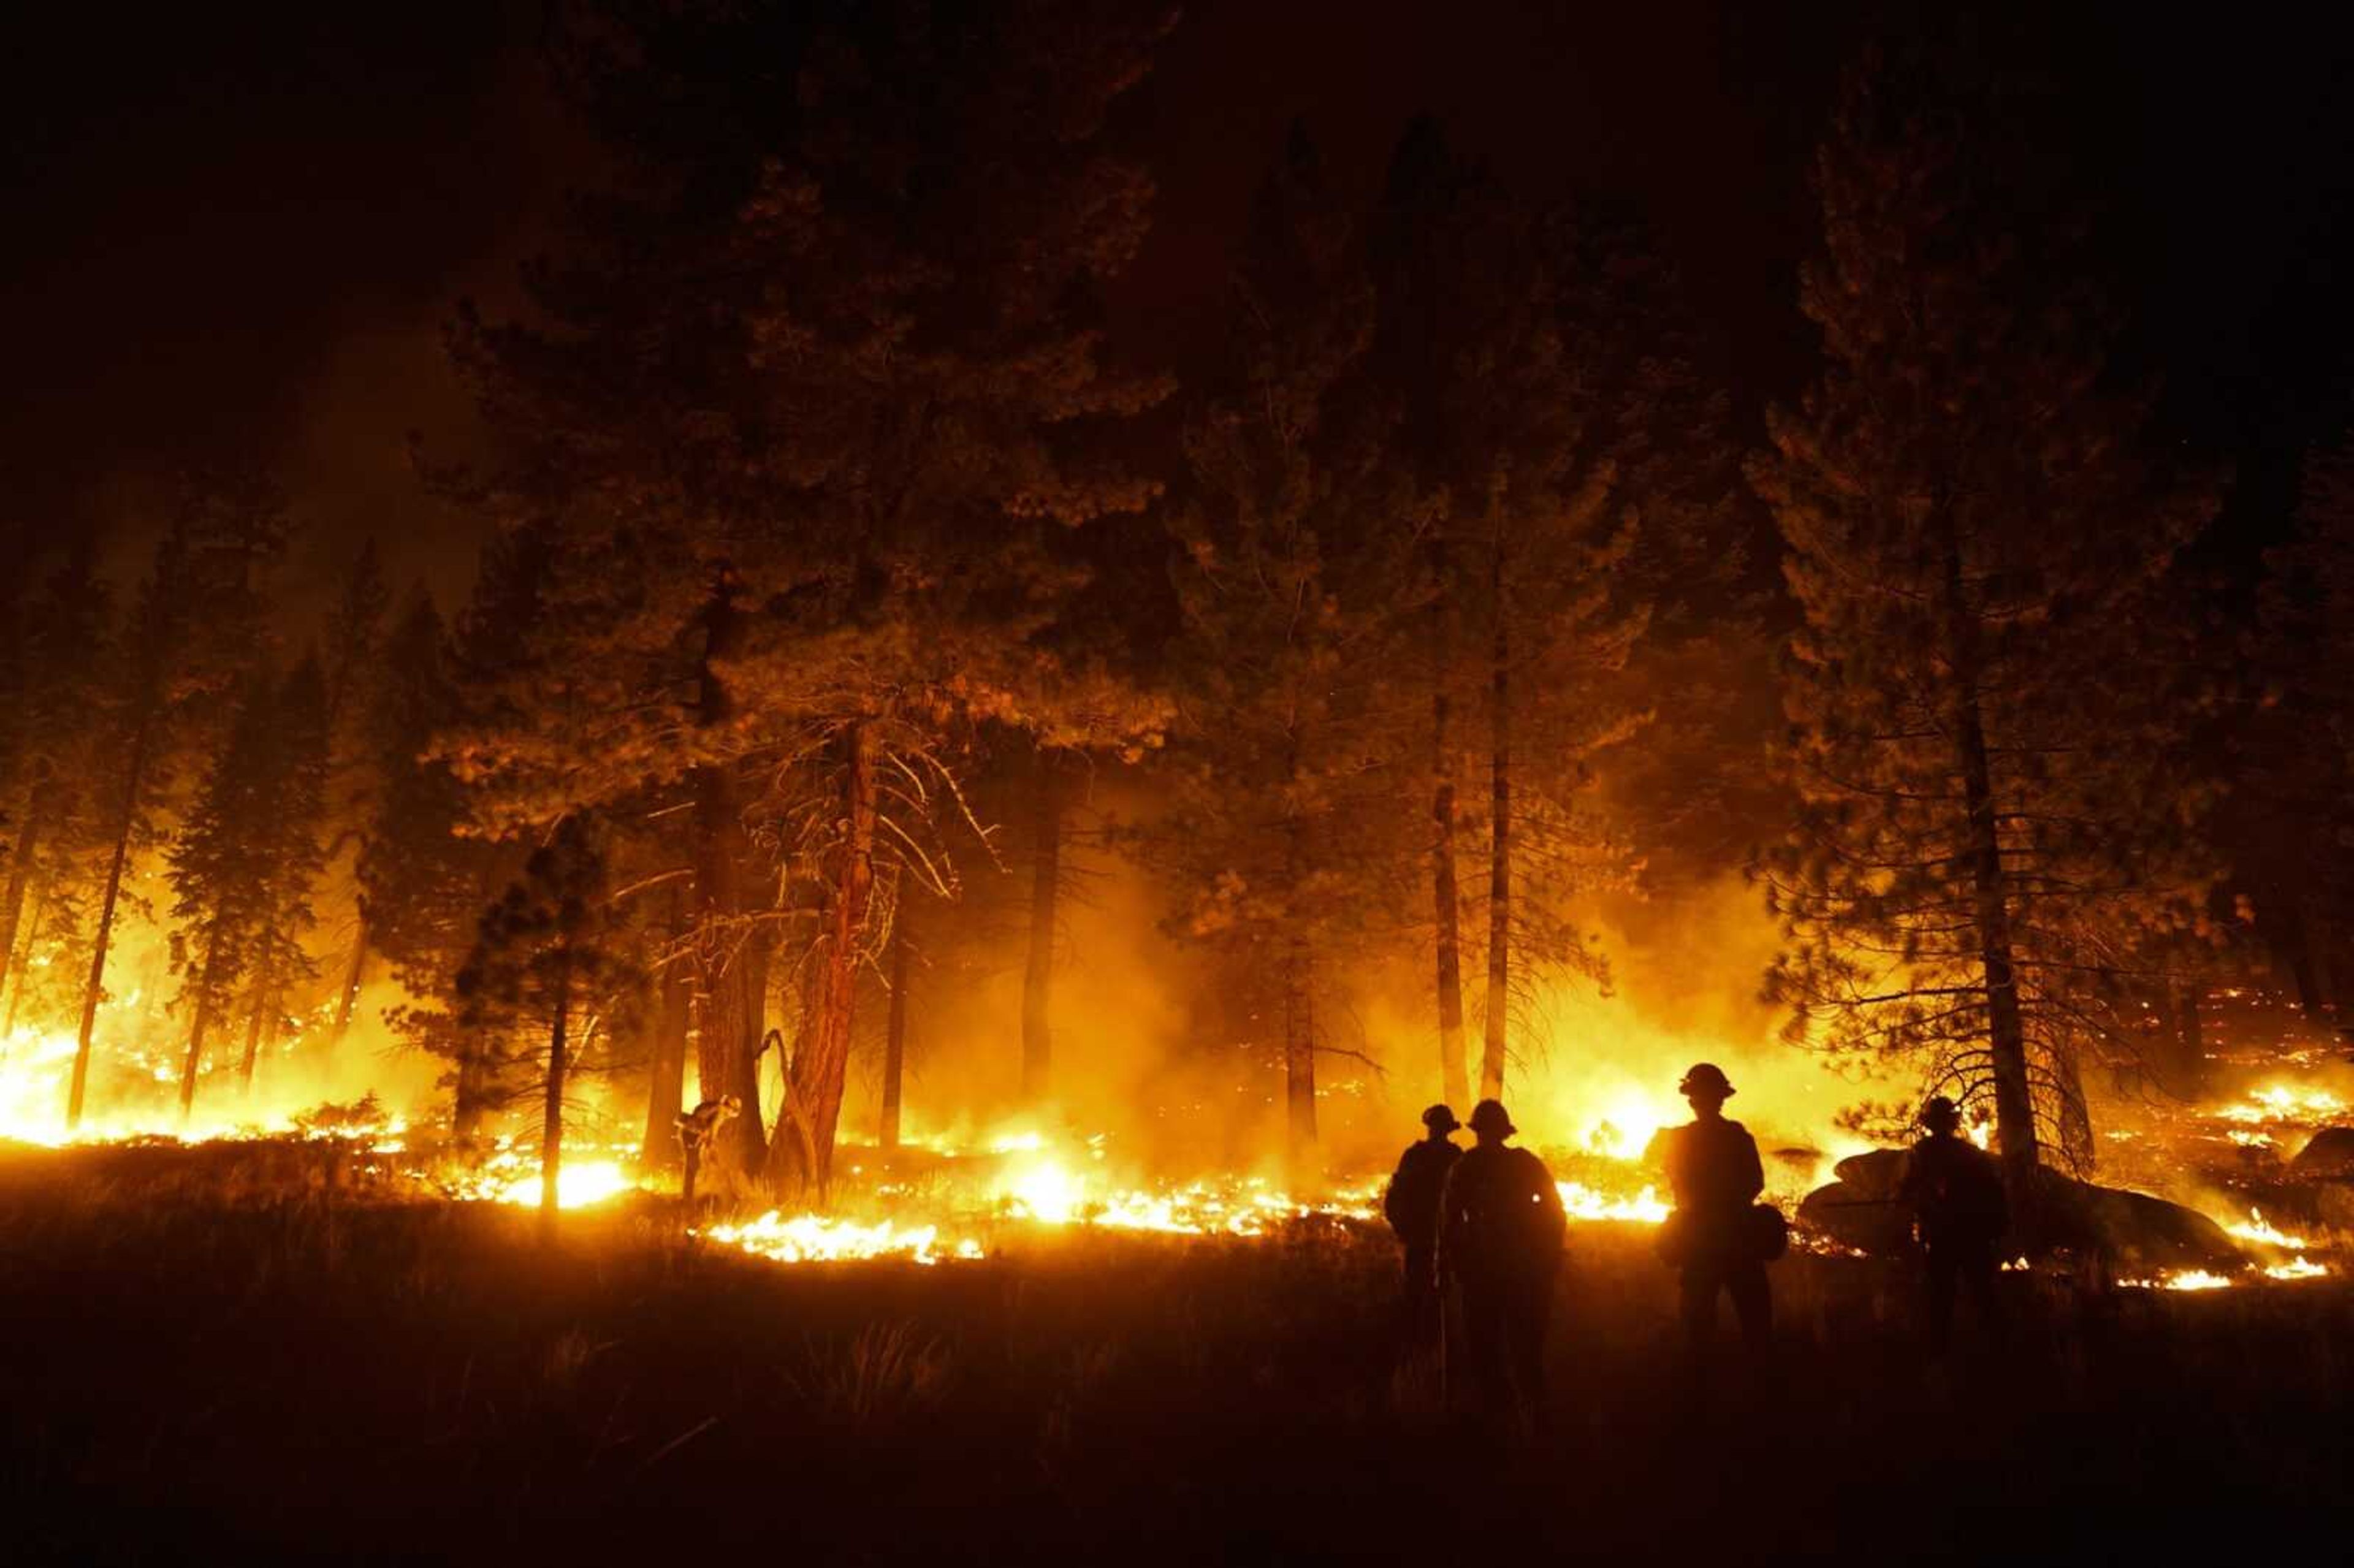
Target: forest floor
{"type": "Point", "coordinates": [207, 1357]}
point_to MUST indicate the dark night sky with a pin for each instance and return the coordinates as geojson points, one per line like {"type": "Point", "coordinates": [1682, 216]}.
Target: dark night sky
{"type": "Point", "coordinates": [237, 231]}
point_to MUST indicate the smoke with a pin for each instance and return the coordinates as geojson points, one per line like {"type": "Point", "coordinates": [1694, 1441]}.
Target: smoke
{"type": "Point", "coordinates": [1139, 1062]}
{"type": "Point", "coordinates": [1595, 1073]}
{"type": "Point", "coordinates": [1146, 1070]}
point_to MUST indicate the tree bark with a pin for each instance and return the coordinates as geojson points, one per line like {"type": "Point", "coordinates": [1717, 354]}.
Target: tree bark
{"type": "Point", "coordinates": [2014, 1100]}
{"type": "Point", "coordinates": [466, 1106]}
{"type": "Point", "coordinates": [1454, 1080]}
{"type": "Point", "coordinates": [1038, 974]}
{"type": "Point", "coordinates": [21, 973]}
{"type": "Point", "coordinates": [802, 1153]}
{"type": "Point", "coordinates": [207, 985]}
{"type": "Point", "coordinates": [351, 988]}
{"type": "Point", "coordinates": [1299, 1052]}
{"type": "Point", "coordinates": [660, 1152]}
{"type": "Point", "coordinates": [730, 1009]}
{"type": "Point", "coordinates": [135, 776]}
{"type": "Point", "coordinates": [1299, 993]}
{"type": "Point", "coordinates": [468, 1090]}
{"type": "Point", "coordinates": [2191, 1033]}
{"type": "Point", "coordinates": [1499, 854]}
{"type": "Point", "coordinates": [261, 983]}
{"type": "Point", "coordinates": [1446, 900]}
{"type": "Point", "coordinates": [551, 1126]}
{"type": "Point", "coordinates": [20, 875]}
{"type": "Point", "coordinates": [895, 1034]}
{"type": "Point", "coordinates": [2314, 929]}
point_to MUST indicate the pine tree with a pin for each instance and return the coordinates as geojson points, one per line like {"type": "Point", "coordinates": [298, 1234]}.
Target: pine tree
{"type": "Point", "coordinates": [217, 877]}
{"type": "Point", "coordinates": [52, 722]}
{"type": "Point", "coordinates": [195, 632]}
{"type": "Point", "coordinates": [1987, 824]}
{"type": "Point", "coordinates": [349, 667]}
{"type": "Point", "coordinates": [1526, 386]}
{"type": "Point", "coordinates": [2295, 824]}
{"type": "Point", "coordinates": [825, 392]}
{"type": "Point", "coordinates": [1271, 839]}
{"type": "Point", "coordinates": [423, 879]}
{"type": "Point", "coordinates": [541, 971]}
{"type": "Point", "coordinates": [244, 863]}
{"type": "Point", "coordinates": [288, 854]}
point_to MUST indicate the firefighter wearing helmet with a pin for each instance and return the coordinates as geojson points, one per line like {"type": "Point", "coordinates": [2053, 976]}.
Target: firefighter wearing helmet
{"type": "Point", "coordinates": [1716, 1236]}
{"type": "Point", "coordinates": [1960, 1213]}
{"type": "Point", "coordinates": [1411, 1206]}
{"type": "Point", "coordinates": [1500, 1228]}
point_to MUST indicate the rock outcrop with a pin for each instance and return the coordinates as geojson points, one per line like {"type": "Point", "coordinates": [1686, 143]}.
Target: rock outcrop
{"type": "Point", "coordinates": [2136, 1233]}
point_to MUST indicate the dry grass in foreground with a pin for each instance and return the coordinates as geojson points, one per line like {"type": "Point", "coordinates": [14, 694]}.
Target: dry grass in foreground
{"type": "Point", "coordinates": [211, 1350]}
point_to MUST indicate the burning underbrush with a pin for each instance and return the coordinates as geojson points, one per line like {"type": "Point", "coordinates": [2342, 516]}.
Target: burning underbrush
{"type": "Point", "coordinates": [2263, 1165]}
{"type": "Point", "coordinates": [2267, 1153]}
{"type": "Point", "coordinates": [937, 1202]}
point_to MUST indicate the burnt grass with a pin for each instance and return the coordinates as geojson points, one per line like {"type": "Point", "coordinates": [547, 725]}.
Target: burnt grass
{"type": "Point", "coordinates": [219, 1355]}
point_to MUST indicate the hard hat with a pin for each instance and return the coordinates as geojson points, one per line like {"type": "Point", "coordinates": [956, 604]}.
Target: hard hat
{"type": "Point", "coordinates": [1706, 1078]}
{"type": "Point", "coordinates": [1941, 1113]}
{"type": "Point", "coordinates": [1488, 1115]}
{"type": "Point", "coordinates": [1440, 1119]}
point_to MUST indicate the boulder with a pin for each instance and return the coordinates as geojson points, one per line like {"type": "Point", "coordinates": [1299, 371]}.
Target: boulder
{"type": "Point", "coordinates": [2330, 1153]}
{"type": "Point", "coordinates": [1843, 1213]}
{"type": "Point", "coordinates": [2334, 1203]}
{"type": "Point", "coordinates": [1874, 1175]}
{"type": "Point", "coordinates": [2136, 1232]}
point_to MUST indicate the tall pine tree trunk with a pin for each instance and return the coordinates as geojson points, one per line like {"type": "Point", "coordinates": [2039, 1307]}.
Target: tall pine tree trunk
{"type": "Point", "coordinates": [1298, 1051]}
{"type": "Point", "coordinates": [2162, 1059]}
{"type": "Point", "coordinates": [263, 979]}
{"type": "Point", "coordinates": [470, 1093]}
{"type": "Point", "coordinates": [207, 986]}
{"type": "Point", "coordinates": [660, 1150]}
{"type": "Point", "coordinates": [466, 1107]}
{"type": "Point", "coordinates": [801, 1152]}
{"type": "Point", "coordinates": [1454, 1079]}
{"type": "Point", "coordinates": [351, 988]}
{"type": "Point", "coordinates": [1446, 900]}
{"type": "Point", "coordinates": [1499, 852]}
{"type": "Point", "coordinates": [2316, 933]}
{"type": "Point", "coordinates": [1038, 973]}
{"type": "Point", "coordinates": [134, 779]}
{"type": "Point", "coordinates": [894, 1033]}
{"type": "Point", "coordinates": [730, 1008]}
{"type": "Point", "coordinates": [2190, 1036]}
{"type": "Point", "coordinates": [2014, 1100]}
{"type": "Point", "coordinates": [20, 975]}
{"type": "Point", "coordinates": [551, 1124]}
{"type": "Point", "coordinates": [21, 858]}
{"type": "Point", "coordinates": [1299, 993]}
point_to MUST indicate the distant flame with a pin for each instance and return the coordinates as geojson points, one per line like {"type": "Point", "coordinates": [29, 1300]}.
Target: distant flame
{"type": "Point", "coordinates": [2264, 1232]}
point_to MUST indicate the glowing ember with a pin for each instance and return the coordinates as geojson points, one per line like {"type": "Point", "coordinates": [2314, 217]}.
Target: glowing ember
{"type": "Point", "coordinates": [813, 1238]}
{"type": "Point", "coordinates": [1628, 1117]}
{"type": "Point", "coordinates": [510, 1174]}
{"type": "Point", "coordinates": [1584, 1203]}
{"type": "Point", "coordinates": [2285, 1102]}
{"type": "Point", "coordinates": [1046, 1193]}
{"type": "Point", "coordinates": [2297, 1268]}
{"type": "Point", "coordinates": [2203, 1279]}
{"type": "Point", "coordinates": [2187, 1280]}
{"type": "Point", "coordinates": [2264, 1232]}
{"type": "Point", "coordinates": [577, 1184]}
